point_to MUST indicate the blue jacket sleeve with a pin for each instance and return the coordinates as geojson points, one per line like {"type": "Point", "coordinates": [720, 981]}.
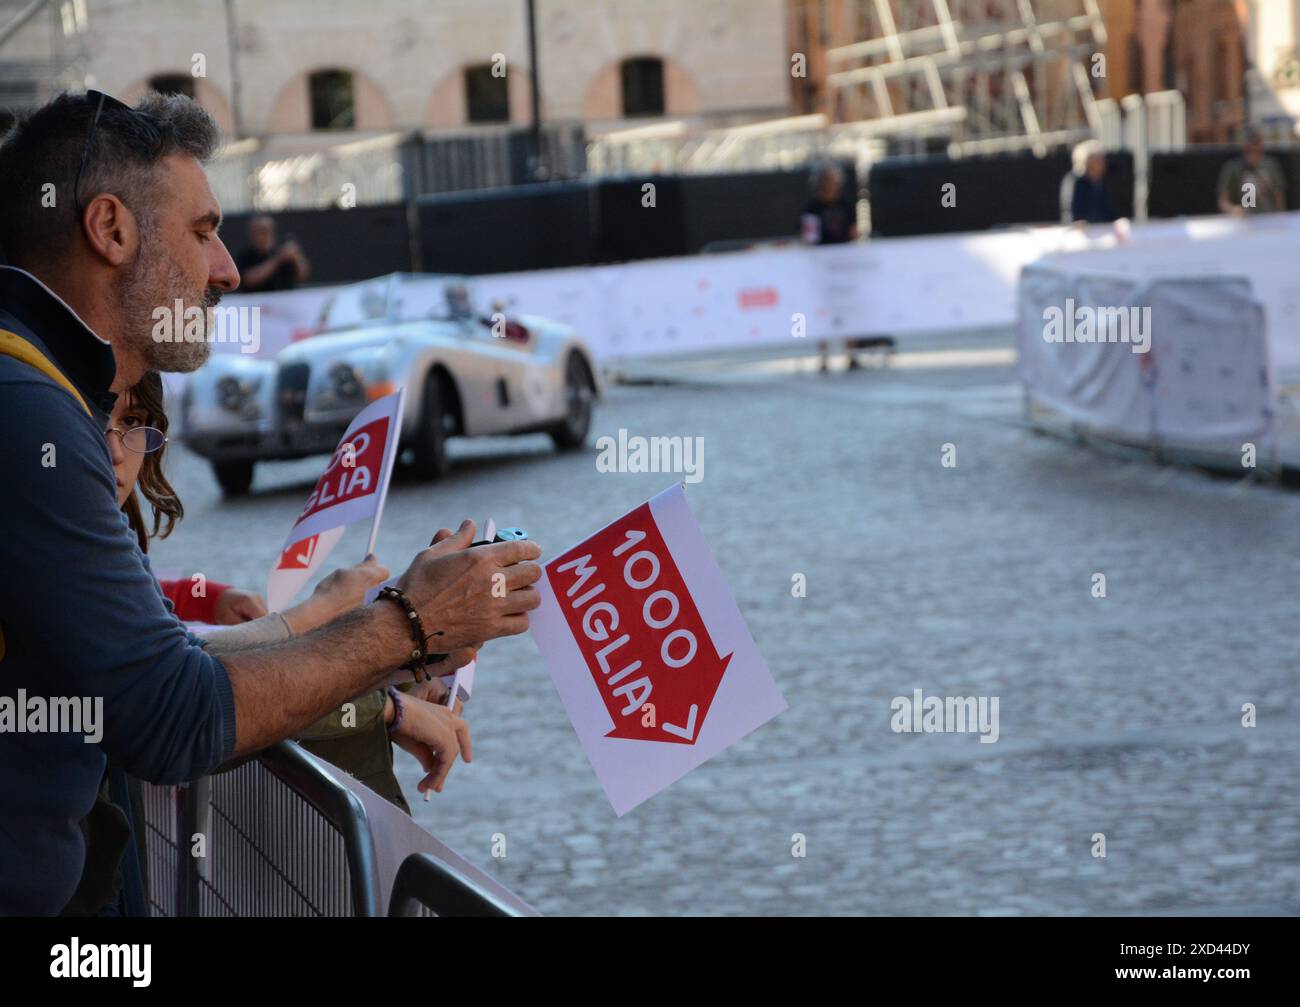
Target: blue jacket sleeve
{"type": "Point", "coordinates": [77, 593]}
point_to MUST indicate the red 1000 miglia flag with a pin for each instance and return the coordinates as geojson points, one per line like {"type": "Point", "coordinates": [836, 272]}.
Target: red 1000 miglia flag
{"type": "Point", "coordinates": [650, 654]}
{"type": "Point", "coordinates": [352, 489]}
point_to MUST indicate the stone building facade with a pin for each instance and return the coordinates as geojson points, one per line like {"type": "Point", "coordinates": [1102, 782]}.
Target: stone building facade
{"type": "Point", "coordinates": [305, 66]}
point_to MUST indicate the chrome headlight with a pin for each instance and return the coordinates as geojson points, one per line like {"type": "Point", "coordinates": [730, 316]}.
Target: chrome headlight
{"type": "Point", "coordinates": [236, 396]}
{"type": "Point", "coordinates": [346, 382]}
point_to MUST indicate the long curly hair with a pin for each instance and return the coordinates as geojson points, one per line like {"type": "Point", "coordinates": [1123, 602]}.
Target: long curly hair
{"type": "Point", "coordinates": [147, 394]}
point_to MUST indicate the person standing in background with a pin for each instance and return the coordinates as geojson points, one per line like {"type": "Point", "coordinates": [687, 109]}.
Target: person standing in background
{"type": "Point", "coordinates": [266, 265]}
{"type": "Point", "coordinates": [829, 218]}
{"type": "Point", "coordinates": [1252, 183]}
{"type": "Point", "coordinates": [1090, 202]}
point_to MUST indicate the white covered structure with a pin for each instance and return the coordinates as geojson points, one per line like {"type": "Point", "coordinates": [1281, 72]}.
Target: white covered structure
{"type": "Point", "coordinates": [1171, 362]}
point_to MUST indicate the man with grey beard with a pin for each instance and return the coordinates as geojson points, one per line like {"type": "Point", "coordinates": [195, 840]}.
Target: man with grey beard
{"type": "Point", "coordinates": [107, 215]}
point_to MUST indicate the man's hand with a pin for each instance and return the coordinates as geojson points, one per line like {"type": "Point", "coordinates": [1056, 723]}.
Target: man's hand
{"type": "Point", "coordinates": [235, 606]}
{"type": "Point", "coordinates": [435, 736]}
{"type": "Point", "coordinates": [281, 688]}
{"type": "Point", "coordinates": [467, 596]}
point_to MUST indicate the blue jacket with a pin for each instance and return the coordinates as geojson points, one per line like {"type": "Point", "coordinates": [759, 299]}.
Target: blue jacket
{"type": "Point", "coordinates": [1091, 202]}
{"type": "Point", "coordinates": [81, 616]}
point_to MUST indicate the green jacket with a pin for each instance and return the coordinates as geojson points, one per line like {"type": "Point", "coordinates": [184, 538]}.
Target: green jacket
{"type": "Point", "coordinates": [360, 747]}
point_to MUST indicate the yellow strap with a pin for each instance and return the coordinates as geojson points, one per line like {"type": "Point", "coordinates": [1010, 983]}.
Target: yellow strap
{"type": "Point", "coordinates": [14, 345]}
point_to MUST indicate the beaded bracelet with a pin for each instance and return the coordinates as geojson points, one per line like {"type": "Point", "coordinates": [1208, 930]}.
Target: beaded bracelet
{"type": "Point", "coordinates": [398, 710]}
{"type": "Point", "coordinates": [416, 661]}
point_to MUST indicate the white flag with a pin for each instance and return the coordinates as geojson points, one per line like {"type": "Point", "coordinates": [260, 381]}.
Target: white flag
{"type": "Point", "coordinates": [352, 489]}
{"type": "Point", "coordinates": [660, 674]}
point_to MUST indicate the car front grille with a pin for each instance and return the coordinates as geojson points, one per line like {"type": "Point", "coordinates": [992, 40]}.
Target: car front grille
{"type": "Point", "coordinates": [291, 391]}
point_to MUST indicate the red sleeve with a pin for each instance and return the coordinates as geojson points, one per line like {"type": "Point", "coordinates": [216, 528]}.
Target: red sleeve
{"type": "Point", "coordinates": [189, 608]}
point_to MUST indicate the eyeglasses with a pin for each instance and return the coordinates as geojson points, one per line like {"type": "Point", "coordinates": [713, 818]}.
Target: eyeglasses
{"type": "Point", "coordinates": [141, 440]}
{"type": "Point", "coordinates": [114, 105]}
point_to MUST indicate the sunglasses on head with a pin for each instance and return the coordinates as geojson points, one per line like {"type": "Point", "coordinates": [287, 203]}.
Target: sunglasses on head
{"type": "Point", "coordinates": [103, 101]}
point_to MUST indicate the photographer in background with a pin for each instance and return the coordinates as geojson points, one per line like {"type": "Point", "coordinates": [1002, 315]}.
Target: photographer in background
{"type": "Point", "coordinates": [266, 265]}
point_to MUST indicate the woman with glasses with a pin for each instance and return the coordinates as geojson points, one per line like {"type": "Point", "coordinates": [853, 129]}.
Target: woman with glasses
{"type": "Point", "coordinates": [137, 439]}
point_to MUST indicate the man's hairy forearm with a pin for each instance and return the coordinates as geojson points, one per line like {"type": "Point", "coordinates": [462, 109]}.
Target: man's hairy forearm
{"type": "Point", "coordinates": [281, 689]}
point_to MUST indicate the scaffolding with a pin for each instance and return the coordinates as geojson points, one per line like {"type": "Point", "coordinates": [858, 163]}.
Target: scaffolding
{"type": "Point", "coordinates": [964, 77]}
{"type": "Point", "coordinates": [42, 52]}
{"type": "Point", "coordinates": [988, 75]}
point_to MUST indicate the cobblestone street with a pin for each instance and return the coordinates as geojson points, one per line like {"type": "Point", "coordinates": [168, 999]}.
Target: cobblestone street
{"type": "Point", "coordinates": [1118, 715]}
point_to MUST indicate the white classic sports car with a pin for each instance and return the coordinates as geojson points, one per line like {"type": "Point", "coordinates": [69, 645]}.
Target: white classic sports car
{"type": "Point", "coordinates": [464, 375]}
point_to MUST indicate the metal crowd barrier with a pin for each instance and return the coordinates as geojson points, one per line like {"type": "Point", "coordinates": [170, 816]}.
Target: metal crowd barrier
{"type": "Point", "coordinates": [281, 836]}
{"type": "Point", "coordinates": [427, 887]}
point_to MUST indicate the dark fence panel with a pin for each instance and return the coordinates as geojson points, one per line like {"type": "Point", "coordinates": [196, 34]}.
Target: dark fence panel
{"type": "Point", "coordinates": [342, 245]}
{"type": "Point", "coordinates": [626, 229]}
{"type": "Point", "coordinates": [499, 231]}
{"type": "Point", "coordinates": [907, 195]}
{"type": "Point", "coordinates": [1120, 176]}
{"type": "Point", "coordinates": [1185, 182]}
{"type": "Point", "coordinates": [747, 206]}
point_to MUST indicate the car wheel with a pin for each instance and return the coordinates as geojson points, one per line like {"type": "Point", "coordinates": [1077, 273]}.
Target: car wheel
{"type": "Point", "coordinates": [235, 477]}
{"type": "Point", "coordinates": [579, 393]}
{"type": "Point", "coordinates": [429, 446]}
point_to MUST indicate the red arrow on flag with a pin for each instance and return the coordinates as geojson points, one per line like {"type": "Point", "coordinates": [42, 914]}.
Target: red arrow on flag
{"type": "Point", "coordinates": [298, 556]}
{"type": "Point", "coordinates": [639, 630]}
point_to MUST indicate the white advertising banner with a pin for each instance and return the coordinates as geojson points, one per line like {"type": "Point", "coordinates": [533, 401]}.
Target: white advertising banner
{"type": "Point", "coordinates": [894, 286]}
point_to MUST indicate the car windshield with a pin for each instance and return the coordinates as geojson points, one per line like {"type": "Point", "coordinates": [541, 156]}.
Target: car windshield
{"type": "Point", "coordinates": [397, 297]}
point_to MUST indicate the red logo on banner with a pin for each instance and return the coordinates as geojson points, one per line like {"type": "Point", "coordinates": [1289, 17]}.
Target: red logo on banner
{"type": "Point", "coordinates": [643, 639]}
{"type": "Point", "coordinates": [298, 555]}
{"type": "Point", "coordinates": [354, 470]}
{"type": "Point", "coordinates": [758, 297]}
